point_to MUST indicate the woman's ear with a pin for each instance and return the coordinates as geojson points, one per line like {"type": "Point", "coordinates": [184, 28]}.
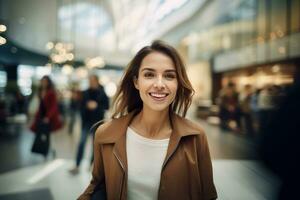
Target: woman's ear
{"type": "Point", "coordinates": [135, 82]}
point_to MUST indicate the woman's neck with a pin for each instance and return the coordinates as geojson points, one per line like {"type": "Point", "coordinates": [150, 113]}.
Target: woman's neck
{"type": "Point", "coordinates": [152, 124]}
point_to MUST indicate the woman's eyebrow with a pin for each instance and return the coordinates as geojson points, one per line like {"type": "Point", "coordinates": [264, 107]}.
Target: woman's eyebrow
{"type": "Point", "coordinates": [171, 70]}
{"type": "Point", "coordinates": [151, 69]}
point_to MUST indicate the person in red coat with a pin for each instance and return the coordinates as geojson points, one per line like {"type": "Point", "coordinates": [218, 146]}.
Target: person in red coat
{"type": "Point", "coordinates": [48, 111]}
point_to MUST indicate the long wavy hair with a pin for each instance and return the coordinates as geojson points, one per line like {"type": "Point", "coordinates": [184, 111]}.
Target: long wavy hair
{"type": "Point", "coordinates": [127, 98]}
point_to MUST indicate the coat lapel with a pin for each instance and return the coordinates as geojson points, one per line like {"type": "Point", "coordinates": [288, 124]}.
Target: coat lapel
{"type": "Point", "coordinates": [181, 128]}
{"type": "Point", "coordinates": [116, 133]}
{"type": "Point", "coordinates": [119, 152]}
{"type": "Point", "coordinates": [118, 136]}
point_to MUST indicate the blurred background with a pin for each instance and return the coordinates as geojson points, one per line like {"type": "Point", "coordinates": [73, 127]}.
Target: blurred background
{"type": "Point", "coordinates": [241, 57]}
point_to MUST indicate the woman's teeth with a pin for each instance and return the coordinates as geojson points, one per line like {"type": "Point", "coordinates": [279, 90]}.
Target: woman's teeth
{"type": "Point", "coordinates": [158, 95]}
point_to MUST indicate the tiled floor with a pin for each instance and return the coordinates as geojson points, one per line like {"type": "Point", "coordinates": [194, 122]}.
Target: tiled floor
{"type": "Point", "coordinates": [44, 194]}
{"type": "Point", "coordinates": [237, 173]}
{"type": "Point", "coordinates": [234, 179]}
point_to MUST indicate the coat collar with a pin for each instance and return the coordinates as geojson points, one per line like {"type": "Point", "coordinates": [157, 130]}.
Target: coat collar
{"type": "Point", "coordinates": [116, 128]}
{"type": "Point", "coordinates": [114, 132]}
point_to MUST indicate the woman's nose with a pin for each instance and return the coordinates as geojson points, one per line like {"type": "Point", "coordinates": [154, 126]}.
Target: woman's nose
{"type": "Point", "coordinates": [159, 83]}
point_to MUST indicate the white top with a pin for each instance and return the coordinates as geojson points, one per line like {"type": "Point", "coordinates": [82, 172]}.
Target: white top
{"type": "Point", "coordinates": [145, 158]}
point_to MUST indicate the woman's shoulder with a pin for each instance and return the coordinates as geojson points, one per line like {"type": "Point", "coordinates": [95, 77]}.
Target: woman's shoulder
{"type": "Point", "coordinates": [189, 126]}
{"type": "Point", "coordinates": [110, 130]}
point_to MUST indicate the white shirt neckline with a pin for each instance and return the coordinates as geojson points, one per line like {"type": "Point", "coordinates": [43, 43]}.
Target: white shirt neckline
{"type": "Point", "coordinates": [148, 141]}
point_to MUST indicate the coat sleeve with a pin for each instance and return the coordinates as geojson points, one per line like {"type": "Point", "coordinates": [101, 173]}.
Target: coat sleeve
{"type": "Point", "coordinates": [205, 169]}
{"type": "Point", "coordinates": [98, 177]}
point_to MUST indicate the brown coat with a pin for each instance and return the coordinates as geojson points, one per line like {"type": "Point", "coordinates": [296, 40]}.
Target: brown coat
{"type": "Point", "coordinates": [186, 172]}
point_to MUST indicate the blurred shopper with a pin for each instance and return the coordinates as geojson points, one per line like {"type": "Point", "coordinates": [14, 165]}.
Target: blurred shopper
{"type": "Point", "coordinates": [3, 115]}
{"type": "Point", "coordinates": [255, 110]}
{"type": "Point", "coordinates": [47, 118]}
{"type": "Point", "coordinates": [93, 105]}
{"type": "Point", "coordinates": [74, 107]}
{"type": "Point", "coordinates": [149, 150]}
{"type": "Point", "coordinates": [20, 103]}
{"type": "Point", "coordinates": [266, 106]}
{"type": "Point", "coordinates": [61, 105]}
{"type": "Point", "coordinates": [229, 107]}
{"type": "Point", "coordinates": [280, 147]}
{"type": "Point", "coordinates": [245, 105]}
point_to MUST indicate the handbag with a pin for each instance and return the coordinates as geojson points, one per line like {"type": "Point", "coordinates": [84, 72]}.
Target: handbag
{"type": "Point", "coordinates": [99, 193]}
{"type": "Point", "coordinates": [41, 141]}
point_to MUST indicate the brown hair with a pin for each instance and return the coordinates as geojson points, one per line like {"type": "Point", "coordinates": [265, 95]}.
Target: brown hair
{"type": "Point", "coordinates": [50, 85]}
{"type": "Point", "coordinates": [127, 98]}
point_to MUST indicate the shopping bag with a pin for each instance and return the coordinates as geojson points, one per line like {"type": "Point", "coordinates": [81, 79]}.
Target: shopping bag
{"type": "Point", "coordinates": [41, 141]}
{"type": "Point", "coordinates": [99, 193]}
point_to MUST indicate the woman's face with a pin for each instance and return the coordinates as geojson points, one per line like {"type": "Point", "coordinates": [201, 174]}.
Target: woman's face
{"type": "Point", "coordinates": [157, 81]}
{"type": "Point", "coordinates": [44, 83]}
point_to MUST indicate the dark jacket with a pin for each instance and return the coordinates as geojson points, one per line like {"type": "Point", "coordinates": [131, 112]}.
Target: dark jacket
{"type": "Point", "coordinates": [186, 172]}
{"type": "Point", "coordinates": [98, 95]}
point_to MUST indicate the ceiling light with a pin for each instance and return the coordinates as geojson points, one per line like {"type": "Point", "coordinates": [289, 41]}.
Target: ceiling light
{"type": "Point", "coordinates": [70, 56]}
{"type": "Point", "coordinates": [2, 28]}
{"type": "Point", "coordinates": [58, 46]}
{"type": "Point", "coordinates": [49, 45]}
{"type": "Point", "coordinates": [276, 68]}
{"type": "Point", "coordinates": [95, 62]}
{"type": "Point", "coordinates": [2, 40]}
{"type": "Point", "coordinates": [67, 69]}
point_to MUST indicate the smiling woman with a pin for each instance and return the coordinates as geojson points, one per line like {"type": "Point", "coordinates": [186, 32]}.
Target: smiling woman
{"type": "Point", "coordinates": [156, 82]}
{"type": "Point", "coordinates": [149, 150]}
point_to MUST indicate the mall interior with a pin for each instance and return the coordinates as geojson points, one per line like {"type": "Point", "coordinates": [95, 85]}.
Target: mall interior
{"type": "Point", "coordinates": [241, 56]}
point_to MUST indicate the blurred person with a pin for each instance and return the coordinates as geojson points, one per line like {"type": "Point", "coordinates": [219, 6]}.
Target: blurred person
{"type": "Point", "coordinates": [149, 150]}
{"type": "Point", "coordinates": [266, 105]}
{"type": "Point", "coordinates": [20, 103]}
{"type": "Point", "coordinates": [3, 115]}
{"type": "Point", "coordinates": [245, 105]}
{"type": "Point", "coordinates": [74, 107]}
{"type": "Point", "coordinates": [47, 118]}
{"type": "Point", "coordinates": [93, 105]}
{"type": "Point", "coordinates": [255, 110]}
{"type": "Point", "coordinates": [280, 147]}
{"type": "Point", "coordinates": [61, 105]}
{"type": "Point", "coordinates": [229, 107]}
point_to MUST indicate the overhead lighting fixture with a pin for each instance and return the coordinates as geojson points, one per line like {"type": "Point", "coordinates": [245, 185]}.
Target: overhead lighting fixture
{"type": "Point", "coordinates": [70, 56]}
{"type": "Point", "coordinates": [95, 62]}
{"type": "Point", "coordinates": [67, 69]}
{"type": "Point", "coordinates": [81, 72]}
{"type": "Point", "coordinates": [2, 40]}
{"type": "Point", "coordinates": [49, 45]}
{"type": "Point", "coordinates": [60, 52]}
{"type": "Point", "coordinates": [276, 68]}
{"type": "Point", "coordinates": [2, 28]}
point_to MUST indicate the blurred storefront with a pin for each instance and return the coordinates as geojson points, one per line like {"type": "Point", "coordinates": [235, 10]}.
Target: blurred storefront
{"type": "Point", "coordinates": [243, 41]}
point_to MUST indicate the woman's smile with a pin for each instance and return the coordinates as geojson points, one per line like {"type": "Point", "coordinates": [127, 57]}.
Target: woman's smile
{"type": "Point", "coordinates": [158, 96]}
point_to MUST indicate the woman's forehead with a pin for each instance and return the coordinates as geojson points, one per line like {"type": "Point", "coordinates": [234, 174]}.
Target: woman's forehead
{"type": "Point", "coordinates": [158, 62]}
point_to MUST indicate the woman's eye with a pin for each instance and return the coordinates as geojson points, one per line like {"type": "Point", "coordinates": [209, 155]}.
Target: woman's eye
{"type": "Point", "coordinates": [170, 76]}
{"type": "Point", "coordinates": [148, 75]}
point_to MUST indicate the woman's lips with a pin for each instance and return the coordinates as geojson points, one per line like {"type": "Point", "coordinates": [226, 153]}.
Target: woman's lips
{"type": "Point", "coordinates": [158, 96]}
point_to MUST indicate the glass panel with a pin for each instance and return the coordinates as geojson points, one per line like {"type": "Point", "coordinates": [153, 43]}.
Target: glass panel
{"type": "Point", "coordinates": [295, 16]}
{"type": "Point", "coordinates": [261, 20]}
{"type": "Point", "coordinates": [278, 19]}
